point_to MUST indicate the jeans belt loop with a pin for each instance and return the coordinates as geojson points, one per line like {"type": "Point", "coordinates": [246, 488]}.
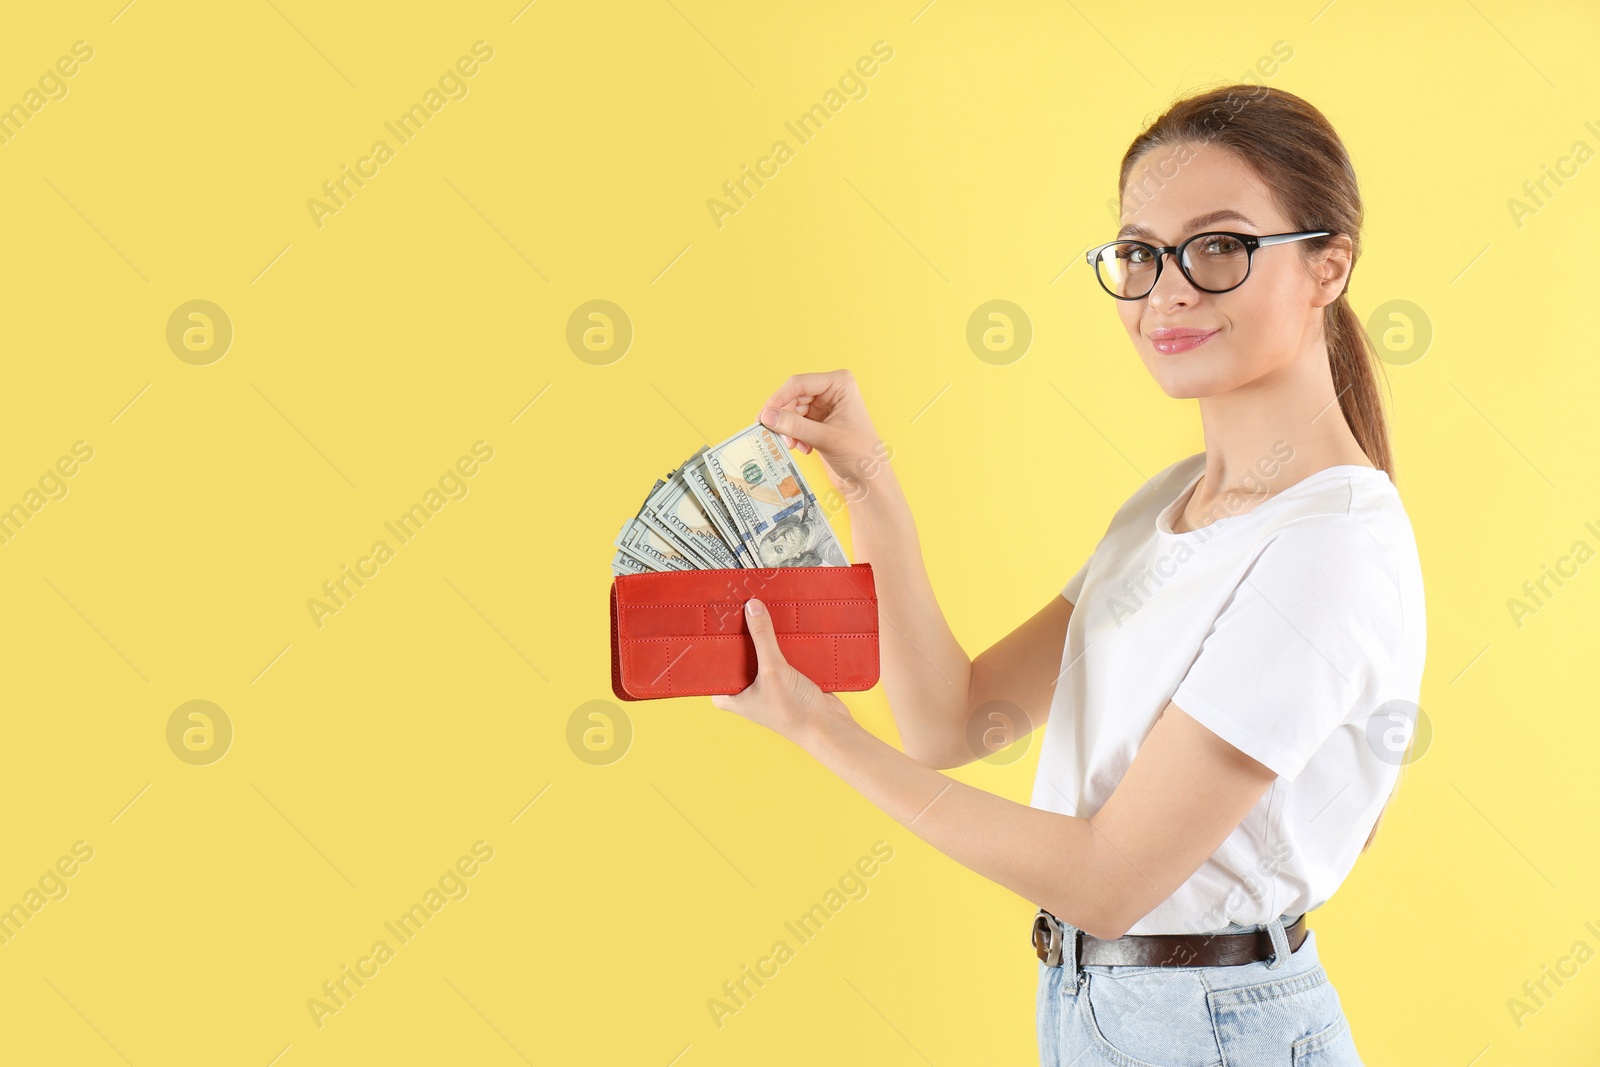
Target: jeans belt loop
{"type": "Point", "coordinates": [1280, 943]}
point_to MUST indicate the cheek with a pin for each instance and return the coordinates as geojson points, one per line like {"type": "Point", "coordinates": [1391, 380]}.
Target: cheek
{"type": "Point", "coordinates": [1130, 312]}
{"type": "Point", "coordinates": [1262, 328]}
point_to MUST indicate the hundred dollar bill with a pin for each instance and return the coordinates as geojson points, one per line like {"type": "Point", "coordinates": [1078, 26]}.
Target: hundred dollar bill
{"type": "Point", "coordinates": [699, 484]}
{"type": "Point", "coordinates": [674, 511]}
{"type": "Point", "coordinates": [665, 532]}
{"type": "Point", "coordinates": [692, 473]}
{"type": "Point", "coordinates": [622, 563]}
{"type": "Point", "coordinates": [778, 519]}
{"type": "Point", "coordinates": [651, 549]}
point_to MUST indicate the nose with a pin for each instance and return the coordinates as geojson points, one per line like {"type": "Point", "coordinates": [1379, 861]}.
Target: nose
{"type": "Point", "coordinates": [1166, 291]}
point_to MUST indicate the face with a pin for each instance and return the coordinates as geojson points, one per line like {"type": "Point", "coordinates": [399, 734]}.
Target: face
{"type": "Point", "coordinates": [1271, 320]}
{"type": "Point", "coordinates": [785, 542]}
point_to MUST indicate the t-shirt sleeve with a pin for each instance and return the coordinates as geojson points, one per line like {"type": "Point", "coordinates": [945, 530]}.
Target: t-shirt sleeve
{"type": "Point", "coordinates": [1297, 643]}
{"type": "Point", "coordinates": [1075, 584]}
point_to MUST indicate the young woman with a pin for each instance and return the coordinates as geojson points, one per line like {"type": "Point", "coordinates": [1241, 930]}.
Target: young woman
{"type": "Point", "coordinates": [1229, 679]}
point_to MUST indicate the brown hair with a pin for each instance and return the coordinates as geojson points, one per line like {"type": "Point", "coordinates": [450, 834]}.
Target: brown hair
{"type": "Point", "coordinates": [1300, 158]}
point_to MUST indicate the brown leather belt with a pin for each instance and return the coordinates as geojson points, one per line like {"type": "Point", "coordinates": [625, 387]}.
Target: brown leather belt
{"type": "Point", "coordinates": [1160, 950]}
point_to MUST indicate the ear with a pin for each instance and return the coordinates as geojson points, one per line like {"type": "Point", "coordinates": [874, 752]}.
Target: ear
{"type": "Point", "coordinates": [1332, 269]}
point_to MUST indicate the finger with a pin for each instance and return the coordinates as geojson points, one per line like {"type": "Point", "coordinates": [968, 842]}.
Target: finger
{"type": "Point", "coordinates": [769, 657]}
{"type": "Point", "coordinates": [800, 404]}
{"type": "Point", "coordinates": [790, 424]}
{"type": "Point", "coordinates": [803, 409]}
{"type": "Point", "coordinates": [802, 385]}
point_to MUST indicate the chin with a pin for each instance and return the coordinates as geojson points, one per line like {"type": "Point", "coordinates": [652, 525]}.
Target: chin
{"type": "Point", "coordinates": [1190, 385]}
{"type": "Point", "coordinates": [1189, 376]}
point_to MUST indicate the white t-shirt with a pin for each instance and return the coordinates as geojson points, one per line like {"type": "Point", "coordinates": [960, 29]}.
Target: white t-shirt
{"type": "Point", "coordinates": [1286, 630]}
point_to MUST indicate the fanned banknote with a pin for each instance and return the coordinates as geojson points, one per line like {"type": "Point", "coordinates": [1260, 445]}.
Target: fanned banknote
{"type": "Point", "coordinates": [740, 503]}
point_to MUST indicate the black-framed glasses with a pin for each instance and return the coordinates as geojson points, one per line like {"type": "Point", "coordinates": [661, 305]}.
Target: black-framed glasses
{"type": "Point", "coordinates": [1214, 262]}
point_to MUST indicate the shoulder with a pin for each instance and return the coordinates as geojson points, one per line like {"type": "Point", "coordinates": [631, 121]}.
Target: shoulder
{"type": "Point", "coordinates": [1355, 521]}
{"type": "Point", "coordinates": [1336, 565]}
{"type": "Point", "coordinates": [1327, 538]}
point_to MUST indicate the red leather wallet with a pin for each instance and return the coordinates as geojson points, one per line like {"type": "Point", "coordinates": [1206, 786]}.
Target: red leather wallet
{"type": "Point", "coordinates": [683, 633]}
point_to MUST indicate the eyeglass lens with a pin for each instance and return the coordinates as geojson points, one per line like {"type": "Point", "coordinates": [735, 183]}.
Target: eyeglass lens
{"type": "Point", "coordinates": [1213, 261]}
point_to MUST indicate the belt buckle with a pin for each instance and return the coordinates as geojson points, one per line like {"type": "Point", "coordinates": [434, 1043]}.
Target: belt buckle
{"type": "Point", "coordinates": [1047, 938]}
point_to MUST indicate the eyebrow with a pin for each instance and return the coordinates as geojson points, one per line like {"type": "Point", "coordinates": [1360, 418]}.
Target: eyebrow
{"type": "Point", "coordinates": [1192, 226]}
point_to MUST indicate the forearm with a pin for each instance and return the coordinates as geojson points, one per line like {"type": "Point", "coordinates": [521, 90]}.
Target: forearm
{"type": "Point", "coordinates": [925, 673]}
{"type": "Point", "coordinates": [1056, 861]}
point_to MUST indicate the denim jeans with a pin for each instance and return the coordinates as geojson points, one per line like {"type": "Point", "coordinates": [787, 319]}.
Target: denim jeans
{"type": "Point", "coordinates": [1283, 1012]}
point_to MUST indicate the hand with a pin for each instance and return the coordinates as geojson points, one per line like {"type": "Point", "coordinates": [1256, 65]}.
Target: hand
{"type": "Point", "coordinates": [824, 412]}
{"type": "Point", "coordinates": [780, 698]}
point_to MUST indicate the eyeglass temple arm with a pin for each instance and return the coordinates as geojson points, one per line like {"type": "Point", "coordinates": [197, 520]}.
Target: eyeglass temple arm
{"type": "Point", "coordinates": [1285, 238]}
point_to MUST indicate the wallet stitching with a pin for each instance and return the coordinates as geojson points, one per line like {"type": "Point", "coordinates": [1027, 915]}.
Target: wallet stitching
{"type": "Point", "coordinates": [834, 682]}
{"type": "Point", "coordinates": [705, 623]}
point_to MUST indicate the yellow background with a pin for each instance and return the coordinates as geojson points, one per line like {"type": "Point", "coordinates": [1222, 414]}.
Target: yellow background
{"type": "Point", "coordinates": [430, 312]}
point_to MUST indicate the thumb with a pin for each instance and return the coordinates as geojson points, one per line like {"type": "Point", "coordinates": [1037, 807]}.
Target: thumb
{"type": "Point", "coordinates": [791, 423]}
{"type": "Point", "coordinates": [769, 657]}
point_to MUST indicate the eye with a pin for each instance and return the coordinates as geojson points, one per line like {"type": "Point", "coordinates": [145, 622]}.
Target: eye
{"type": "Point", "coordinates": [1219, 244]}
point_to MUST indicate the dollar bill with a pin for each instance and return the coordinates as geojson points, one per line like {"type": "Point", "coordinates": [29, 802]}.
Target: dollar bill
{"type": "Point", "coordinates": [699, 484]}
{"type": "Point", "coordinates": [622, 563]}
{"type": "Point", "coordinates": [677, 513]}
{"type": "Point", "coordinates": [778, 518]}
{"type": "Point", "coordinates": [740, 503]}
{"type": "Point", "coordinates": [650, 548]}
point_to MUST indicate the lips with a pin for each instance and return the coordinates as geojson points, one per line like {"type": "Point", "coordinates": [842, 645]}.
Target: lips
{"type": "Point", "coordinates": [1170, 340]}
{"type": "Point", "coordinates": [1173, 334]}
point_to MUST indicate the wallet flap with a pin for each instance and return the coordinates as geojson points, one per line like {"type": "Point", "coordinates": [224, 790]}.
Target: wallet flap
{"type": "Point", "coordinates": [683, 633]}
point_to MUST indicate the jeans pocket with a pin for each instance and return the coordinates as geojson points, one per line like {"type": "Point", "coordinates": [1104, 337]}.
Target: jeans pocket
{"type": "Point", "coordinates": [1284, 998]}
{"type": "Point", "coordinates": [1332, 1046]}
{"type": "Point", "coordinates": [1299, 1012]}
{"type": "Point", "coordinates": [1153, 1018]}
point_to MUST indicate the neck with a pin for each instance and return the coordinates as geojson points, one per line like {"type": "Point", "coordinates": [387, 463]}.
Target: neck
{"type": "Point", "coordinates": [1268, 434]}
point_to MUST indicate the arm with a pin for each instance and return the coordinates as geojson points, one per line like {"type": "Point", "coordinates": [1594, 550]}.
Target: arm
{"type": "Point", "coordinates": [1184, 792]}
{"type": "Point", "coordinates": [927, 676]}
{"type": "Point", "coordinates": [934, 690]}
{"type": "Point", "coordinates": [925, 673]}
{"type": "Point", "coordinates": [933, 687]}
